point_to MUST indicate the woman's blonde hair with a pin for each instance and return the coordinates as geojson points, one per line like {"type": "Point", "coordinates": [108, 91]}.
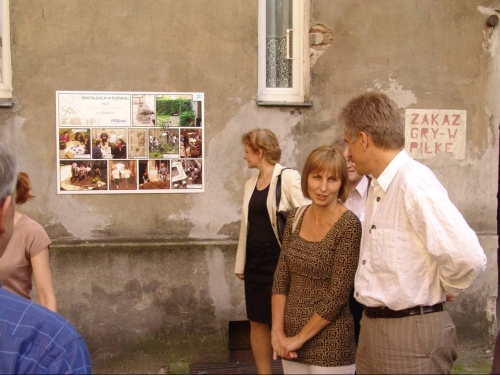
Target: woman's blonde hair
{"type": "Point", "coordinates": [265, 140]}
{"type": "Point", "coordinates": [326, 159]}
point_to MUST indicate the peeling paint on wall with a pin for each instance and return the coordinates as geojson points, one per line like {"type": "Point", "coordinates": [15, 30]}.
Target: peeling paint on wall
{"type": "Point", "coordinates": [218, 288]}
{"type": "Point", "coordinates": [79, 229]}
{"type": "Point", "coordinates": [320, 39]}
{"type": "Point", "coordinates": [210, 213]}
{"type": "Point", "coordinates": [489, 29]}
{"type": "Point", "coordinates": [402, 97]}
{"type": "Point", "coordinates": [493, 97]}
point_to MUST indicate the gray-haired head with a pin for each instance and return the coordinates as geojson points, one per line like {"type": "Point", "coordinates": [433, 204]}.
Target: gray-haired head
{"type": "Point", "coordinates": [340, 143]}
{"type": "Point", "coordinates": [8, 170]}
{"type": "Point", "coordinates": [377, 115]}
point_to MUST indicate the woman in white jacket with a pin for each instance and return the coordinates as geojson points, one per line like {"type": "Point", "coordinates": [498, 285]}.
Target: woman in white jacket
{"type": "Point", "coordinates": [259, 247]}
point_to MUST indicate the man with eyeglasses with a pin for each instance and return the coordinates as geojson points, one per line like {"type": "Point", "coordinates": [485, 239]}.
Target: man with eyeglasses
{"type": "Point", "coordinates": [417, 250]}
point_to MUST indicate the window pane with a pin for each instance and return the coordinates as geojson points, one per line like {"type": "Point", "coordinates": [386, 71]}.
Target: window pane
{"type": "Point", "coordinates": [278, 21]}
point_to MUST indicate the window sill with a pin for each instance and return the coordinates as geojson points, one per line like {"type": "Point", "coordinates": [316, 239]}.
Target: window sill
{"type": "Point", "coordinates": [5, 102]}
{"type": "Point", "coordinates": [284, 104]}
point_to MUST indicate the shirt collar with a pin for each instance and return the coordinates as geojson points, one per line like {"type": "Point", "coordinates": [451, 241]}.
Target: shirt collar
{"type": "Point", "coordinates": [385, 179]}
{"type": "Point", "coordinates": [362, 185]}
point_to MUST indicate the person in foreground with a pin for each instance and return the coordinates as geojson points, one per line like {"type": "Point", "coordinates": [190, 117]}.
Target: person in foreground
{"type": "Point", "coordinates": [27, 254]}
{"type": "Point", "coordinates": [259, 248]}
{"type": "Point", "coordinates": [416, 250]}
{"type": "Point", "coordinates": [312, 326]}
{"type": "Point", "coordinates": [356, 201]}
{"type": "Point", "coordinates": [33, 339]}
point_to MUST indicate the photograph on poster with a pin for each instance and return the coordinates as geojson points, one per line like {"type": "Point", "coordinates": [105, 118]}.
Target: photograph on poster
{"type": "Point", "coordinates": [155, 174]}
{"type": "Point", "coordinates": [112, 143]}
{"type": "Point", "coordinates": [83, 175]}
{"type": "Point", "coordinates": [175, 110]}
{"type": "Point", "coordinates": [74, 143]}
{"type": "Point", "coordinates": [143, 110]}
{"type": "Point", "coordinates": [138, 146]}
{"type": "Point", "coordinates": [163, 143]}
{"type": "Point", "coordinates": [191, 143]}
{"type": "Point", "coordinates": [123, 175]}
{"type": "Point", "coordinates": [187, 174]}
{"type": "Point", "coordinates": [129, 142]}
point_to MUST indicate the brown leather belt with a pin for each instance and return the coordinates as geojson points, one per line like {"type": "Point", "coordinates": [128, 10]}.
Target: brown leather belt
{"type": "Point", "coordinates": [385, 312]}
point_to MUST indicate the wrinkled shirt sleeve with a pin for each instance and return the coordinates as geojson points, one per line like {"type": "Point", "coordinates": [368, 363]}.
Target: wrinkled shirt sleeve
{"type": "Point", "coordinates": [450, 242]}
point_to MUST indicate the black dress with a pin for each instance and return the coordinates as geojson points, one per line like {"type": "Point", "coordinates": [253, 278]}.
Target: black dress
{"type": "Point", "coordinates": [262, 256]}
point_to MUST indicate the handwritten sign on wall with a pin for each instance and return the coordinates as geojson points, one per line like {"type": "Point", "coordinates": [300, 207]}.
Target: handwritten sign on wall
{"type": "Point", "coordinates": [432, 132]}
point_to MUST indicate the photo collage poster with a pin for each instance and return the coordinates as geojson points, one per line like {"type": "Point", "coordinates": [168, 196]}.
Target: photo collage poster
{"type": "Point", "coordinates": [130, 142]}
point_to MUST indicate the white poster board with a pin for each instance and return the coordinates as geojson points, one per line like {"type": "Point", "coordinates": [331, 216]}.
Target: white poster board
{"type": "Point", "coordinates": [130, 142]}
{"type": "Point", "coordinates": [431, 132]}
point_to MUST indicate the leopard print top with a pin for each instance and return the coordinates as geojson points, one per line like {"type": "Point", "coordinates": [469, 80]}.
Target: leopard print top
{"type": "Point", "coordinates": [319, 277]}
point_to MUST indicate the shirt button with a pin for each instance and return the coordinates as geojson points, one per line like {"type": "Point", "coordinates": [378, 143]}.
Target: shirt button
{"type": "Point", "coordinates": [363, 262]}
{"type": "Point", "coordinates": [357, 294]}
{"type": "Point", "coordinates": [378, 199]}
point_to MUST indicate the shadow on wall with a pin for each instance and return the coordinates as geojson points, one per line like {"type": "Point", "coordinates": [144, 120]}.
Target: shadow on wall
{"type": "Point", "coordinates": [141, 308]}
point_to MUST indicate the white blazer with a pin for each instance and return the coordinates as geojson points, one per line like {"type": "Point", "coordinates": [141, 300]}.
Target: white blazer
{"type": "Point", "coordinates": [291, 197]}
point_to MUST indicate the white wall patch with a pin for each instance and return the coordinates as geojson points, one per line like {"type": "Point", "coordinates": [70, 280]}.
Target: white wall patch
{"type": "Point", "coordinates": [431, 132]}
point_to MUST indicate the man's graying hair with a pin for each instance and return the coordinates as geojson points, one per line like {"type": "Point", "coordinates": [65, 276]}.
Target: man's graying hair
{"type": "Point", "coordinates": [375, 114]}
{"type": "Point", "coordinates": [8, 170]}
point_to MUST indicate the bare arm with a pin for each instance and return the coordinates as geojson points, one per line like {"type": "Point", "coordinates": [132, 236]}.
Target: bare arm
{"type": "Point", "coordinates": [43, 279]}
{"type": "Point", "coordinates": [315, 324]}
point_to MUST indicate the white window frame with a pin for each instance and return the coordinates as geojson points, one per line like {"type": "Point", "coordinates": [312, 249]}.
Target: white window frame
{"type": "Point", "coordinates": [298, 95]}
{"type": "Point", "coordinates": [6, 76]}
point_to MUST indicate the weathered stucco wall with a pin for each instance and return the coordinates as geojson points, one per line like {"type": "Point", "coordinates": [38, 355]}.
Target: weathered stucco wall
{"type": "Point", "coordinates": [141, 274]}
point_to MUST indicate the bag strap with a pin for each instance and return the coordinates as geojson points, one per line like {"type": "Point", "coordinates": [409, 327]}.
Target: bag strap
{"type": "Point", "coordinates": [297, 217]}
{"type": "Point", "coordinates": [278, 190]}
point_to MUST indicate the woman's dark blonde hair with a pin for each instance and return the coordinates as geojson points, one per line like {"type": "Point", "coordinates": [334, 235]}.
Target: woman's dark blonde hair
{"type": "Point", "coordinates": [265, 140]}
{"type": "Point", "coordinates": [23, 188]}
{"type": "Point", "coordinates": [326, 159]}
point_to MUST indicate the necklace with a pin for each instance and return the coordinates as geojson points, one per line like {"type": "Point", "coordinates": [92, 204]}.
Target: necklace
{"type": "Point", "coordinates": [263, 181]}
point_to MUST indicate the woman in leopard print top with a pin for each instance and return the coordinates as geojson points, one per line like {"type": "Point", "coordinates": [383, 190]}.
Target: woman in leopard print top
{"type": "Point", "coordinates": [312, 326]}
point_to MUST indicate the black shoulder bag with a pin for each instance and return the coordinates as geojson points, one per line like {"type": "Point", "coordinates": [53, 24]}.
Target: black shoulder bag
{"type": "Point", "coordinates": [281, 216]}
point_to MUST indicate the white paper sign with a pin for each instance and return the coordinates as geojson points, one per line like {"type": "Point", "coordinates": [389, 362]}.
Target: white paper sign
{"type": "Point", "coordinates": [431, 132]}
